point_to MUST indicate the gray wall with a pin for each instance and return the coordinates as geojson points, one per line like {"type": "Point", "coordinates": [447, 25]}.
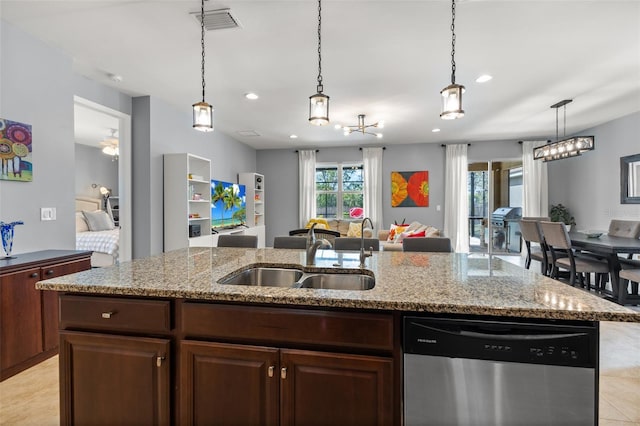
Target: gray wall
{"type": "Point", "coordinates": [94, 167]}
{"type": "Point", "coordinates": [590, 184]}
{"type": "Point", "coordinates": [160, 128]}
{"type": "Point", "coordinates": [37, 88]}
{"type": "Point", "coordinates": [280, 168]}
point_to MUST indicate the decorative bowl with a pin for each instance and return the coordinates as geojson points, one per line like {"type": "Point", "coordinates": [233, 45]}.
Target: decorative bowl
{"type": "Point", "coordinates": [592, 234]}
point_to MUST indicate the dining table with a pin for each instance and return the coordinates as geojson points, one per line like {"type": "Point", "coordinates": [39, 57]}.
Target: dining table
{"type": "Point", "coordinates": [610, 248]}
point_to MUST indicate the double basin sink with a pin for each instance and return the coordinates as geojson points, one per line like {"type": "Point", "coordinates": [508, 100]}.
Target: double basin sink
{"type": "Point", "coordinates": [296, 278]}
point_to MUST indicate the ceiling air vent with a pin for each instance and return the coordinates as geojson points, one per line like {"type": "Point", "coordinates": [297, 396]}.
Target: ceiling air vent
{"type": "Point", "coordinates": [248, 133]}
{"type": "Point", "coordinates": [219, 19]}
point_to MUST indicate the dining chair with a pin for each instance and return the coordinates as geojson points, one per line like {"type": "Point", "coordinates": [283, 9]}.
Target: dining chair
{"type": "Point", "coordinates": [624, 228]}
{"type": "Point", "coordinates": [633, 277]}
{"type": "Point", "coordinates": [353, 243]}
{"type": "Point", "coordinates": [557, 238]}
{"type": "Point", "coordinates": [247, 241]}
{"type": "Point", "coordinates": [531, 233]}
{"type": "Point", "coordinates": [427, 244]}
{"type": "Point", "coordinates": [290, 242]}
{"type": "Point", "coordinates": [537, 218]}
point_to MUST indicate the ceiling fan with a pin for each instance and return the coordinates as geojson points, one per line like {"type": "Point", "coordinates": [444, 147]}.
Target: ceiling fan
{"type": "Point", "coordinates": [110, 145]}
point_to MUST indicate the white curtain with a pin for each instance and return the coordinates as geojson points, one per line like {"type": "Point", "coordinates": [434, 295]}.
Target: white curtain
{"type": "Point", "coordinates": [535, 185]}
{"type": "Point", "coordinates": [456, 199]}
{"type": "Point", "coordinates": [372, 162]}
{"type": "Point", "coordinates": [307, 188]}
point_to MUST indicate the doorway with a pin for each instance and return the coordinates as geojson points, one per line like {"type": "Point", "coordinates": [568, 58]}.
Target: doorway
{"type": "Point", "coordinates": [97, 127]}
{"type": "Point", "coordinates": [495, 206]}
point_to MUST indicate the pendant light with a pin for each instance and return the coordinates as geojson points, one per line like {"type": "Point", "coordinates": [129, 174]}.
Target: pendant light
{"type": "Point", "coordinates": [319, 103]}
{"type": "Point", "coordinates": [202, 111]}
{"type": "Point", "coordinates": [452, 94]}
{"type": "Point", "coordinates": [567, 147]}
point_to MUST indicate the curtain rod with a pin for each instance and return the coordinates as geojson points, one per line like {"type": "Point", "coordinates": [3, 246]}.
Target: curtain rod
{"type": "Point", "coordinates": [444, 146]}
{"type": "Point", "coordinates": [383, 148]}
{"type": "Point", "coordinates": [548, 141]}
{"type": "Point", "coordinates": [317, 150]}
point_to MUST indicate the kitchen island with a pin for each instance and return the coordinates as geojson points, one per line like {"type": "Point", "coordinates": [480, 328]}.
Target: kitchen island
{"type": "Point", "coordinates": [159, 340]}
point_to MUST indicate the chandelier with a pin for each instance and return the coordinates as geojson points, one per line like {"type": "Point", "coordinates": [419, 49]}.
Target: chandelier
{"type": "Point", "coordinates": [361, 127]}
{"type": "Point", "coordinates": [567, 147]}
{"type": "Point", "coordinates": [202, 111]}
{"type": "Point", "coordinates": [319, 103]}
{"type": "Point", "coordinates": [452, 94]}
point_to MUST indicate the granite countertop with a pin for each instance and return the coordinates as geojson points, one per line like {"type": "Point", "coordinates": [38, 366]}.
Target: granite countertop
{"type": "Point", "coordinates": [429, 282]}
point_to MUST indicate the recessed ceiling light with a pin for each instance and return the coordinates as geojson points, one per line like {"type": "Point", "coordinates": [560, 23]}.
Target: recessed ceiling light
{"type": "Point", "coordinates": [483, 78]}
{"type": "Point", "coordinates": [436, 130]}
{"type": "Point", "coordinates": [293, 136]}
{"type": "Point", "coordinates": [251, 96]}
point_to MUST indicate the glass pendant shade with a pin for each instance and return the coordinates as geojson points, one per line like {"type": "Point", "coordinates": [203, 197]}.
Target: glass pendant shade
{"type": "Point", "coordinates": [319, 109]}
{"type": "Point", "coordinates": [203, 117]}
{"type": "Point", "coordinates": [452, 102]}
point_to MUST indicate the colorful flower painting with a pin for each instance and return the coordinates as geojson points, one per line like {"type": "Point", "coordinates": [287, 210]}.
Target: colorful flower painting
{"type": "Point", "coordinates": [15, 151]}
{"type": "Point", "coordinates": [410, 189]}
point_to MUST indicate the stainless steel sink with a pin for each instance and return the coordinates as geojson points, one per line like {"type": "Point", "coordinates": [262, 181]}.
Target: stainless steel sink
{"type": "Point", "coordinates": [262, 276]}
{"type": "Point", "coordinates": [339, 281]}
{"type": "Point", "coordinates": [267, 277]}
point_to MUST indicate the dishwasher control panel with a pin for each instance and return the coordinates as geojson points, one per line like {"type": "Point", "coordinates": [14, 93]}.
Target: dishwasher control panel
{"type": "Point", "coordinates": [509, 341]}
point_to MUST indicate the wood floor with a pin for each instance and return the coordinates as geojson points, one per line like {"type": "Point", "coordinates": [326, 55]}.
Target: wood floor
{"type": "Point", "coordinates": [32, 398]}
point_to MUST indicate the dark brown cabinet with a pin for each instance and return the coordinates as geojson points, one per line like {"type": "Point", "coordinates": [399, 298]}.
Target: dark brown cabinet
{"type": "Point", "coordinates": [225, 384]}
{"type": "Point", "coordinates": [29, 317]}
{"type": "Point", "coordinates": [114, 380]}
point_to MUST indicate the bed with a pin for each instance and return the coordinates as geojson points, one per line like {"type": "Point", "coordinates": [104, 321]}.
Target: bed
{"type": "Point", "coordinates": [103, 244]}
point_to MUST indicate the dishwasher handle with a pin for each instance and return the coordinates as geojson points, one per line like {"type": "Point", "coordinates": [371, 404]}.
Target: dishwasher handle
{"type": "Point", "coordinates": [503, 336]}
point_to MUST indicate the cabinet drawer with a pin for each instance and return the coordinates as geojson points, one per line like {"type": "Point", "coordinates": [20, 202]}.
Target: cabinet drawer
{"type": "Point", "coordinates": [283, 325]}
{"type": "Point", "coordinates": [60, 269]}
{"type": "Point", "coordinates": [115, 314]}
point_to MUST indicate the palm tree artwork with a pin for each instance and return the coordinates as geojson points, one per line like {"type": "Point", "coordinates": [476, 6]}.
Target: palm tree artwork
{"type": "Point", "coordinates": [219, 195]}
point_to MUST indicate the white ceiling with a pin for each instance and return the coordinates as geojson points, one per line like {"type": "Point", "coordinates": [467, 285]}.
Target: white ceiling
{"type": "Point", "coordinates": [387, 59]}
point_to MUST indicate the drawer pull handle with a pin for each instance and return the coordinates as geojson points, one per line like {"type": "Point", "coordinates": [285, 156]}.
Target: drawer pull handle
{"type": "Point", "coordinates": [108, 315]}
{"type": "Point", "coordinates": [283, 372]}
{"type": "Point", "coordinates": [159, 360]}
{"type": "Point", "coordinates": [49, 272]}
{"type": "Point", "coordinates": [271, 370]}
{"type": "Point", "coordinates": [34, 275]}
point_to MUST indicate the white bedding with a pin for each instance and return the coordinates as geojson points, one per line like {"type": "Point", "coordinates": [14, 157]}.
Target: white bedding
{"type": "Point", "coordinates": [99, 241]}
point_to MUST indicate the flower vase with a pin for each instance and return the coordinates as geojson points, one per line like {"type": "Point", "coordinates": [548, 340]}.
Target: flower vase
{"type": "Point", "coordinates": [6, 230]}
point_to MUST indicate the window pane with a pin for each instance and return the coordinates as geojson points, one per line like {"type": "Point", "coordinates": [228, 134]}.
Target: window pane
{"type": "Point", "coordinates": [352, 179]}
{"type": "Point", "coordinates": [352, 201]}
{"type": "Point", "coordinates": [326, 205]}
{"type": "Point", "coordinates": [326, 179]}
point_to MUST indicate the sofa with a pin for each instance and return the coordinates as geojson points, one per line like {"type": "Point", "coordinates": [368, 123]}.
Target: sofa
{"type": "Point", "coordinates": [391, 239]}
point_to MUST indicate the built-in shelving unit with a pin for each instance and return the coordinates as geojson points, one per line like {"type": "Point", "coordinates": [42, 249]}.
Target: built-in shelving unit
{"type": "Point", "coordinates": [187, 201]}
{"type": "Point", "coordinates": [254, 183]}
{"type": "Point", "coordinates": [113, 209]}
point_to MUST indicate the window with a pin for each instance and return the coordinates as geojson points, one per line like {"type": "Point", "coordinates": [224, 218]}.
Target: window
{"type": "Point", "coordinates": [339, 189]}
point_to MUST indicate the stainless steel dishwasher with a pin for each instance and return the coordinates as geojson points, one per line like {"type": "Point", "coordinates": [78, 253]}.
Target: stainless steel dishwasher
{"type": "Point", "coordinates": [489, 372]}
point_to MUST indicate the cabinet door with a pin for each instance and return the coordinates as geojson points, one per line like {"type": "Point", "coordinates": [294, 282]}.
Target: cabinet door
{"type": "Point", "coordinates": [114, 380]}
{"type": "Point", "coordinates": [50, 299]}
{"type": "Point", "coordinates": [20, 317]}
{"type": "Point", "coordinates": [224, 384]}
{"type": "Point", "coordinates": [335, 389]}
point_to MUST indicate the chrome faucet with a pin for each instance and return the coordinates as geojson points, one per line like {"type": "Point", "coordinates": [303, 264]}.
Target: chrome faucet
{"type": "Point", "coordinates": [363, 254]}
{"type": "Point", "coordinates": [313, 245]}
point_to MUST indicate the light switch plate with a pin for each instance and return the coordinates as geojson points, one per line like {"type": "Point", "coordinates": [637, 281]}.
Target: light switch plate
{"type": "Point", "coordinates": [48, 213]}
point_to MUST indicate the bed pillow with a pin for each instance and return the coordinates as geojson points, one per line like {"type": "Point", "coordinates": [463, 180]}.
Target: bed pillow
{"type": "Point", "coordinates": [98, 221]}
{"type": "Point", "coordinates": [81, 224]}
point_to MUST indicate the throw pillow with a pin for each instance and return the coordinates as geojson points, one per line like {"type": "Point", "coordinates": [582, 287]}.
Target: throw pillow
{"type": "Point", "coordinates": [321, 223]}
{"type": "Point", "coordinates": [81, 224]}
{"type": "Point", "coordinates": [98, 221]}
{"type": "Point", "coordinates": [416, 234]}
{"type": "Point", "coordinates": [355, 229]}
{"type": "Point", "coordinates": [395, 231]}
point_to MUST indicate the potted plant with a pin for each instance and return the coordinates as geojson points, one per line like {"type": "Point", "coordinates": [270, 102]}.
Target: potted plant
{"type": "Point", "coordinates": [560, 213]}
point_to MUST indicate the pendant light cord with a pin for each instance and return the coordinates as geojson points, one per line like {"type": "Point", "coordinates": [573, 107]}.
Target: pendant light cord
{"type": "Point", "coordinates": [453, 42]}
{"type": "Point", "coordinates": [319, 46]}
{"type": "Point", "coordinates": [202, 44]}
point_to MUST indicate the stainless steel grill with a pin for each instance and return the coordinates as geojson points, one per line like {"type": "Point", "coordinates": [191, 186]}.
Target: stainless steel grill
{"type": "Point", "coordinates": [506, 228]}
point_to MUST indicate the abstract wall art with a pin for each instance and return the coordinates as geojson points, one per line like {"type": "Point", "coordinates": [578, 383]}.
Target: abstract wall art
{"type": "Point", "coordinates": [410, 189]}
{"type": "Point", "coordinates": [15, 151]}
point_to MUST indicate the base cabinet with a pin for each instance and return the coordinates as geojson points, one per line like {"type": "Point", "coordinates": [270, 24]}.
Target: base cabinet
{"type": "Point", "coordinates": [114, 380]}
{"type": "Point", "coordinates": [239, 384]}
{"type": "Point", "coordinates": [29, 317]}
